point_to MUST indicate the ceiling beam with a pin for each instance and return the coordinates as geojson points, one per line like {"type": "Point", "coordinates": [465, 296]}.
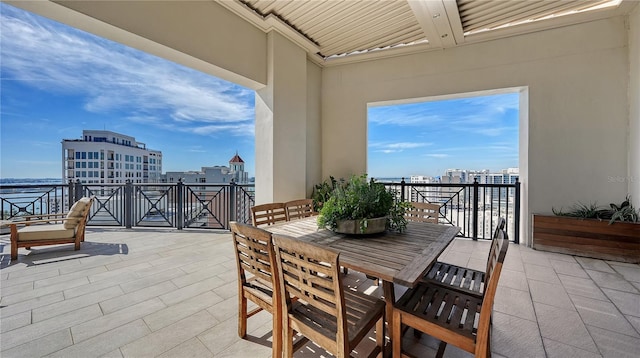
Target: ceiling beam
{"type": "Point", "coordinates": [434, 21]}
{"type": "Point", "coordinates": [453, 14]}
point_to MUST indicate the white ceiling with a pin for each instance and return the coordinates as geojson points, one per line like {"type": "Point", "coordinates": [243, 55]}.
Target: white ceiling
{"type": "Point", "coordinates": [335, 31]}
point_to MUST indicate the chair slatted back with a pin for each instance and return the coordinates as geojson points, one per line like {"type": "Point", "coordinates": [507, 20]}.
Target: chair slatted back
{"type": "Point", "coordinates": [268, 214]}
{"type": "Point", "coordinates": [254, 253]}
{"type": "Point", "coordinates": [494, 251]}
{"type": "Point", "coordinates": [311, 273]}
{"type": "Point", "coordinates": [423, 212]}
{"type": "Point", "coordinates": [492, 277]}
{"type": "Point", "coordinates": [298, 209]}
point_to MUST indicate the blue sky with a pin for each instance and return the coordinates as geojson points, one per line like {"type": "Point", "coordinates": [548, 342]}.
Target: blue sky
{"type": "Point", "coordinates": [430, 137]}
{"type": "Point", "coordinates": [56, 81]}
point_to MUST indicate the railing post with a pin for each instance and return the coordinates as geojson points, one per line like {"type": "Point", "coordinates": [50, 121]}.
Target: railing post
{"type": "Point", "coordinates": [128, 204]}
{"type": "Point", "coordinates": [72, 195]}
{"type": "Point", "coordinates": [516, 214]}
{"type": "Point", "coordinates": [402, 186]}
{"type": "Point", "coordinates": [233, 203]}
{"type": "Point", "coordinates": [180, 204]}
{"type": "Point", "coordinates": [77, 192]}
{"type": "Point", "coordinates": [475, 208]}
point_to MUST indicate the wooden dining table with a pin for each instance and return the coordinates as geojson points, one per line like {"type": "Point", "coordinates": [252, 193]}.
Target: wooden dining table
{"type": "Point", "coordinates": [394, 258]}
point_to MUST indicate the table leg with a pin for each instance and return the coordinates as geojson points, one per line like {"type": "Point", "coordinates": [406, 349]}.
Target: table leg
{"type": "Point", "coordinates": [389, 299]}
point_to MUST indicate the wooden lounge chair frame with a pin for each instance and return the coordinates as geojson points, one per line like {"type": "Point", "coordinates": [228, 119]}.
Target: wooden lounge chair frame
{"type": "Point", "coordinates": [51, 221]}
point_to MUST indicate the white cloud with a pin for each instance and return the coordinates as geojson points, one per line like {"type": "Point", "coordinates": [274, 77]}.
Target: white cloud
{"type": "Point", "coordinates": [406, 145]}
{"type": "Point", "coordinates": [468, 114]}
{"type": "Point", "coordinates": [495, 131]}
{"type": "Point", "coordinates": [396, 147]}
{"type": "Point", "coordinates": [114, 79]}
{"type": "Point", "coordinates": [437, 155]}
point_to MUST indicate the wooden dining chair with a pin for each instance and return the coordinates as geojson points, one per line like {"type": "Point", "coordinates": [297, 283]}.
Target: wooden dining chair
{"type": "Point", "coordinates": [423, 212]}
{"type": "Point", "coordinates": [467, 280]}
{"type": "Point", "coordinates": [268, 214]}
{"type": "Point", "coordinates": [452, 316]}
{"type": "Point", "coordinates": [254, 256]}
{"type": "Point", "coordinates": [334, 318]}
{"type": "Point", "coordinates": [298, 209]}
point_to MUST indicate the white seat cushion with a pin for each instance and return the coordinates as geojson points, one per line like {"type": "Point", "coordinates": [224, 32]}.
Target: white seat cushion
{"type": "Point", "coordinates": [45, 232]}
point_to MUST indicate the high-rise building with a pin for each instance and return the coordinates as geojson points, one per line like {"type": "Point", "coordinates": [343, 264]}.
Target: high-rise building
{"type": "Point", "coordinates": [421, 179]}
{"type": "Point", "coordinates": [212, 175]}
{"type": "Point", "coordinates": [108, 157]}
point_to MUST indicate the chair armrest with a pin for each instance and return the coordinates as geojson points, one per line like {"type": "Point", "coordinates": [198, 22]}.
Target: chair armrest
{"type": "Point", "coordinates": [42, 216]}
{"type": "Point", "coordinates": [29, 222]}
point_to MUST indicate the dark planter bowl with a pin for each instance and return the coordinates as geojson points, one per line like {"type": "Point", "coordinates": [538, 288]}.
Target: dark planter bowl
{"type": "Point", "coordinates": [352, 227]}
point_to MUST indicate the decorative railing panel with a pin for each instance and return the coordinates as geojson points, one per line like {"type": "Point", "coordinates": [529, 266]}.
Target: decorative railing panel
{"type": "Point", "coordinates": [22, 200]}
{"type": "Point", "coordinates": [475, 208]}
{"type": "Point", "coordinates": [209, 206]}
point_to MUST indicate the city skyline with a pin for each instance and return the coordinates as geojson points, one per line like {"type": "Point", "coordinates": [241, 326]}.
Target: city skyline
{"type": "Point", "coordinates": [57, 81]}
{"type": "Point", "coordinates": [475, 133]}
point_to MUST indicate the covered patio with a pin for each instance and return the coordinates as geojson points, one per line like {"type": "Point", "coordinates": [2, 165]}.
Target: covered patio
{"type": "Point", "coordinates": [142, 293]}
{"type": "Point", "coordinates": [316, 67]}
{"type": "Point", "coordinates": [161, 293]}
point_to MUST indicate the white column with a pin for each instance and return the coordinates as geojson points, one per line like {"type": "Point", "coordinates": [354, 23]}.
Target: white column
{"type": "Point", "coordinates": [281, 111]}
{"type": "Point", "coordinates": [633, 178]}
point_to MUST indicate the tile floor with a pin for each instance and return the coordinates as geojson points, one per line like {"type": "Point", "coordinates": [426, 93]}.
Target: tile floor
{"type": "Point", "coordinates": [169, 293]}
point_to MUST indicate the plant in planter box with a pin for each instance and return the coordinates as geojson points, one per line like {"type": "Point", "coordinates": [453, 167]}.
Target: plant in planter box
{"type": "Point", "coordinates": [362, 200]}
{"type": "Point", "coordinates": [623, 212]}
{"type": "Point", "coordinates": [591, 231]}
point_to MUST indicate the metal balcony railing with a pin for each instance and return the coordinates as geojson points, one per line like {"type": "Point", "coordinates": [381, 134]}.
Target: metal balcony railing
{"type": "Point", "coordinates": [175, 205]}
{"type": "Point", "coordinates": [473, 207]}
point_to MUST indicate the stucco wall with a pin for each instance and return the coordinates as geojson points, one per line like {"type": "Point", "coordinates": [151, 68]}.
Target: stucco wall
{"type": "Point", "coordinates": [634, 106]}
{"type": "Point", "coordinates": [577, 121]}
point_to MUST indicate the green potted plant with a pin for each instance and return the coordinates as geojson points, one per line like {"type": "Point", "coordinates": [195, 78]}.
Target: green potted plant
{"type": "Point", "coordinates": [589, 230]}
{"type": "Point", "coordinates": [322, 192]}
{"type": "Point", "coordinates": [361, 206]}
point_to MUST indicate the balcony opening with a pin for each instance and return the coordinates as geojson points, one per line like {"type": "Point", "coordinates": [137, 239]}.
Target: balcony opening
{"type": "Point", "coordinates": [85, 82]}
{"type": "Point", "coordinates": [435, 142]}
{"type": "Point", "coordinates": [428, 136]}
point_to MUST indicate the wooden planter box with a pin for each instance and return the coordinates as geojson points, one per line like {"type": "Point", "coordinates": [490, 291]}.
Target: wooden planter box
{"type": "Point", "coordinates": [619, 241]}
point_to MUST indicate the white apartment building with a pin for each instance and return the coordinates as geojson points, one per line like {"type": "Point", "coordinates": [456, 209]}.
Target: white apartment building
{"type": "Point", "coordinates": [485, 176]}
{"type": "Point", "coordinates": [214, 175]}
{"type": "Point", "coordinates": [101, 157]}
